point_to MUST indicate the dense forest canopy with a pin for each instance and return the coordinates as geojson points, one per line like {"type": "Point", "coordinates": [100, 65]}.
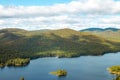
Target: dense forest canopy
{"type": "Point", "coordinates": [18, 43]}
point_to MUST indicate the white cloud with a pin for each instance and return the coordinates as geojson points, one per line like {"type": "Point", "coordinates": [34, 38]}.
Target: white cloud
{"type": "Point", "coordinates": [2, 22]}
{"type": "Point", "coordinates": [77, 14]}
{"type": "Point", "coordinates": [111, 19]}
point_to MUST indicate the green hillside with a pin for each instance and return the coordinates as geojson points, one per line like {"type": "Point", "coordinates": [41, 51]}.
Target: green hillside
{"type": "Point", "coordinates": [17, 43]}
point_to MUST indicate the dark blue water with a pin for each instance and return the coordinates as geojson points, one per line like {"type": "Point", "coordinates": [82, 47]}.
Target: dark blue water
{"type": "Point", "coordinates": [81, 68]}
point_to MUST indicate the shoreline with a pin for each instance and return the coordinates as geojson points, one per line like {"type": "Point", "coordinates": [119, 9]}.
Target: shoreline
{"type": "Point", "coordinates": [55, 57]}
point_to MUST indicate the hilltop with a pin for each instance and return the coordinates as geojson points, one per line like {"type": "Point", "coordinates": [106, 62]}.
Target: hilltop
{"type": "Point", "coordinates": [16, 43]}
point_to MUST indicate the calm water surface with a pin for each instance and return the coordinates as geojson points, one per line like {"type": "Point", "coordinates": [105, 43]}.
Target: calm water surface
{"type": "Point", "coordinates": [81, 68]}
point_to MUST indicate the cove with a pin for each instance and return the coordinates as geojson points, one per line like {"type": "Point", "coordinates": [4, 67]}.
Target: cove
{"type": "Point", "coordinates": [80, 68]}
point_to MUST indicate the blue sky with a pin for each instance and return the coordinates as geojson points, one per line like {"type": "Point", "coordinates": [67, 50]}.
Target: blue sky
{"type": "Point", "coordinates": [32, 2]}
{"type": "Point", "coordinates": [57, 14]}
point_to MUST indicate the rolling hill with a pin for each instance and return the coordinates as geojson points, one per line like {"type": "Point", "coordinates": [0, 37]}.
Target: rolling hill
{"type": "Point", "coordinates": [18, 43]}
{"type": "Point", "coordinates": [112, 34]}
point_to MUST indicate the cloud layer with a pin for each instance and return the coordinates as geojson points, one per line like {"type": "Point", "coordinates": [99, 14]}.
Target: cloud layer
{"type": "Point", "coordinates": [77, 14]}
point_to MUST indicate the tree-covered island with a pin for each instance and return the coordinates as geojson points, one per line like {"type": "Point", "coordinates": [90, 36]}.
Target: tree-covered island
{"type": "Point", "coordinates": [59, 73]}
{"type": "Point", "coordinates": [115, 70]}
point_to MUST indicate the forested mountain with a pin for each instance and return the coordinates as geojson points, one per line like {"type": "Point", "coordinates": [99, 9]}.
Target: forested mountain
{"type": "Point", "coordinates": [100, 29]}
{"type": "Point", "coordinates": [112, 34]}
{"type": "Point", "coordinates": [18, 43]}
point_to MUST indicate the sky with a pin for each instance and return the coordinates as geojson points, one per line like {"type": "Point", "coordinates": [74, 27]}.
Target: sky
{"type": "Point", "coordinates": [58, 14]}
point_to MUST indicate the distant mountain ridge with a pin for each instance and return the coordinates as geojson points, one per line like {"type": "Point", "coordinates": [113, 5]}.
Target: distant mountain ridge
{"type": "Point", "coordinates": [100, 29]}
{"type": "Point", "coordinates": [107, 33]}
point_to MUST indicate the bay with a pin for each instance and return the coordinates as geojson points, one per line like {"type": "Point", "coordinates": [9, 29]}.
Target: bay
{"type": "Point", "coordinates": [80, 68]}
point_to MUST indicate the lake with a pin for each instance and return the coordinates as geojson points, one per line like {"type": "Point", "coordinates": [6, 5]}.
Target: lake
{"type": "Point", "coordinates": [80, 68]}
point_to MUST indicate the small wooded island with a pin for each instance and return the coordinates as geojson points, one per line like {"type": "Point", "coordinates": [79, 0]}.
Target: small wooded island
{"type": "Point", "coordinates": [115, 70]}
{"type": "Point", "coordinates": [59, 73]}
{"type": "Point", "coordinates": [16, 62]}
